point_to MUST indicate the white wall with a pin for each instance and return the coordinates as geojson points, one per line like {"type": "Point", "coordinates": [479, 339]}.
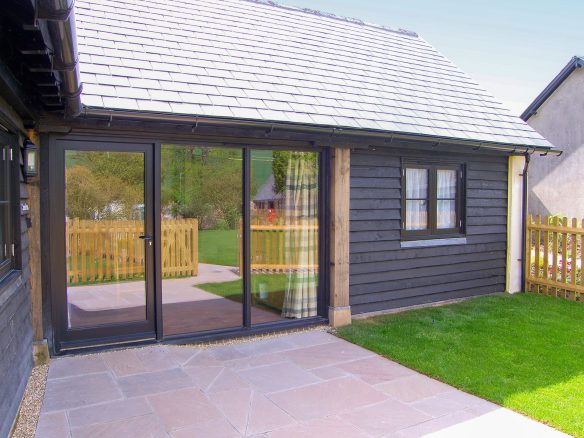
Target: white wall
{"type": "Point", "coordinates": [557, 183]}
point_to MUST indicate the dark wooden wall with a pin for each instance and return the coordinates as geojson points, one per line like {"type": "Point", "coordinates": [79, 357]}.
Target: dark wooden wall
{"type": "Point", "coordinates": [15, 329]}
{"type": "Point", "coordinates": [383, 275]}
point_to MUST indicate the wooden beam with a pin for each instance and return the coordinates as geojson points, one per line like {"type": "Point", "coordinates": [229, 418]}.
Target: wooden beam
{"type": "Point", "coordinates": [34, 251]}
{"type": "Point", "coordinates": [340, 309]}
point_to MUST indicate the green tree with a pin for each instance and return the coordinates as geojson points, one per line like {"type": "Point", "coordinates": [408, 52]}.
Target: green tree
{"type": "Point", "coordinates": [281, 161]}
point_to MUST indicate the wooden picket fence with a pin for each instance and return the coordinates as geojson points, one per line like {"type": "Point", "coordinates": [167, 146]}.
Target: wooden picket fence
{"type": "Point", "coordinates": [104, 250]}
{"type": "Point", "coordinates": [554, 257]}
{"type": "Point", "coordinates": [274, 250]}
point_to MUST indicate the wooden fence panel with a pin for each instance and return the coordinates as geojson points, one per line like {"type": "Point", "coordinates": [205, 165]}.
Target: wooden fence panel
{"type": "Point", "coordinates": [99, 251]}
{"type": "Point", "coordinates": [273, 248]}
{"type": "Point", "coordinates": [553, 259]}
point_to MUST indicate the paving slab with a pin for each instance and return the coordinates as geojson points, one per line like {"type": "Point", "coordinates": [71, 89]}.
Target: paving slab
{"type": "Point", "coordinates": [307, 384]}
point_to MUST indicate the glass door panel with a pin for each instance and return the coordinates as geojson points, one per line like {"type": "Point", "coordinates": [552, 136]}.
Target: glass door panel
{"type": "Point", "coordinates": [284, 235]}
{"type": "Point", "coordinates": [201, 204]}
{"type": "Point", "coordinates": [106, 240]}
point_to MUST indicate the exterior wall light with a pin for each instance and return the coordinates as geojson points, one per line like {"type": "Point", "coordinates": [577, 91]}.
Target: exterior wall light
{"type": "Point", "coordinates": [30, 164]}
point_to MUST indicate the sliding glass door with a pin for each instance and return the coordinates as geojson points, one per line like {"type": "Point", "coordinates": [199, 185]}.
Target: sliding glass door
{"type": "Point", "coordinates": [213, 201]}
{"type": "Point", "coordinates": [284, 235]}
{"type": "Point", "coordinates": [154, 241]}
{"type": "Point", "coordinates": [201, 214]}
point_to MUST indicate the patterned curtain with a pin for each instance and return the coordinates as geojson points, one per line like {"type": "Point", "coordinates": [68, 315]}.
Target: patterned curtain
{"type": "Point", "coordinates": [301, 242]}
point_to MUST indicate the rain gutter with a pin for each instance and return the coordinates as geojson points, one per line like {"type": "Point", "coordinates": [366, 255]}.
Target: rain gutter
{"type": "Point", "coordinates": [60, 21]}
{"type": "Point", "coordinates": [144, 116]}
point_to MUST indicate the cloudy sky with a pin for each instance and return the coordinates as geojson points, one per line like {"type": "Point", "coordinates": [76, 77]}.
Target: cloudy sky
{"type": "Point", "coordinates": [514, 48]}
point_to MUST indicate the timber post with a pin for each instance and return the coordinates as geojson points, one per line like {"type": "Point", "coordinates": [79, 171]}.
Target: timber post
{"type": "Point", "coordinates": [339, 306]}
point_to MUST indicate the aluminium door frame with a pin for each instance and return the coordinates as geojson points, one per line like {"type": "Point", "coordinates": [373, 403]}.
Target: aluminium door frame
{"type": "Point", "coordinates": [71, 338]}
{"type": "Point", "coordinates": [51, 314]}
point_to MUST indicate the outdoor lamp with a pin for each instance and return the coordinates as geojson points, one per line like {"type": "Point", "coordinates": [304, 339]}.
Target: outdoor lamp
{"type": "Point", "coordinates": [30, 165]}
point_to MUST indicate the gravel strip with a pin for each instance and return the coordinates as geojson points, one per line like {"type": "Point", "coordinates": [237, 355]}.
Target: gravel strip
{"type": "Point", "coordinates": [30, 408]}
{"type": "Point", "coordinates": [253, 338]}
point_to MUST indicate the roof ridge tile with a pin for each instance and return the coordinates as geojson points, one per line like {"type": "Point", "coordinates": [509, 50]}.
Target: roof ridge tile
{"type": "Point", "coordinates": [334, 17]}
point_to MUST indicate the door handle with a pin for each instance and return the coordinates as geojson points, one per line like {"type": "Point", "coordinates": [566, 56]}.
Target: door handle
{"type": "Point", "coordinates": [146, 238]}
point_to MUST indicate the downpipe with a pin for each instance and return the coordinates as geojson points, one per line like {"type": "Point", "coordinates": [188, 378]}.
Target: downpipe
{"type": "Point", "coordinates": [524, 212]}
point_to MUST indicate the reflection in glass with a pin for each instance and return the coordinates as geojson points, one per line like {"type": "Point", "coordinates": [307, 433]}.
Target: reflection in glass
{"type": "Point", "coordinates": [284, 235]}
{"type": "Point", "coordinates": [201, 190]}
{"type": "Point", "coordinates": [104, 195]}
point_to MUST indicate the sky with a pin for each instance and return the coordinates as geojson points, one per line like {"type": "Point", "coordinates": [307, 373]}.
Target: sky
{"type": "Point", "coordinates": [513, 48]}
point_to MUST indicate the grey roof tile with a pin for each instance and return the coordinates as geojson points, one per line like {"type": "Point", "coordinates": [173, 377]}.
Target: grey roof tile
{"type": "Point", "coordinates": [224, 100]}
{"type": "Point", "coordinates": [186, 108]}
{"type": "Point", "coordinates": [175, 86]}
{"type": "Point", "coordinates": [92, 100]}
{"type": "Point", "coordinates": [101, 90]}
{"type": "Point", "coordinates": [120, 103]}
{"type": "Point", "coordinates": [110, 80]}
{"type": "Point", "coordinates": [131, 92]}
{"type": "Point", "coordinates": [203, 89]}
{"type": "Point", "coordinates": [256, 60]}
{"type": "Point", "coordinates": [195, 98]}
{"type": "Point", "coordinates": [144, 83]}
{"type": "Point", "coordinates": [153, 105]}
{"type": "Point", "coordinates": [245, 113]}
{"type": "Point", "coordinates": [165, 95]}
{"type": "Point", "coordinates": [217, 110]}
{"type": "Point", "coordinates": [117, 70]}
{"type": "Point", "coordinates": [277, 105]}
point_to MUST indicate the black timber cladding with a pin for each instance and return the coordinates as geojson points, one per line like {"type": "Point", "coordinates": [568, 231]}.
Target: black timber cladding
{"type": "Point", "coordinates": [15, 329]}
{"type": "Point", "coordinates": [383, 275]}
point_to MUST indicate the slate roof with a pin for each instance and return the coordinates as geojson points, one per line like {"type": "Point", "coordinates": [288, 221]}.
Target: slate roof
{"type": "Point", "coordinates": [267, 191]}
{"type": "Point", "coordinates": [254, 60]}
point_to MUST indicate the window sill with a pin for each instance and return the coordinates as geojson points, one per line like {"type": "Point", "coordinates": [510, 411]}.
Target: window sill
{"type": "Point", "coordinates": [433, 242]}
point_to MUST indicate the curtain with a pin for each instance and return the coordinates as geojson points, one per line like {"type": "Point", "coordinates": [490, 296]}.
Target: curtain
{"type": "Point", "coordinates": [416, 199]}
{"type": "Point", "coordinates": [446, 199]}
{"type": "Point", "coordinates": [301, 240]}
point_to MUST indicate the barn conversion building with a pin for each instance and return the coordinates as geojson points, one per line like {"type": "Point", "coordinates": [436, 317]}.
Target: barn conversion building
{"type": "Point", "coordinates": [398, 178]}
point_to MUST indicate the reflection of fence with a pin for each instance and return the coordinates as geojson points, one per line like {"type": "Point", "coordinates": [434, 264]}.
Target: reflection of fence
{"type": "Point", "coordinates": [278, 248]}
{"type": "Point", "coordinates": [554, 257]}
{"type": "Point", "coordinates": [111, 250]}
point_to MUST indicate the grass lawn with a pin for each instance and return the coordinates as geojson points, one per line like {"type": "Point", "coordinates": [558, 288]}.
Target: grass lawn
{"type": "Point", "coordinates": [275, 285]}
{"type": "Point", "coordinates": [219, 247]}
{"type": "Point", "coordinates": [524, 352]}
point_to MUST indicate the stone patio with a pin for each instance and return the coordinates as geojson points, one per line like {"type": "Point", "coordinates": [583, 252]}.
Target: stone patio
{"type": "Point", "coordinates": [308, 384]}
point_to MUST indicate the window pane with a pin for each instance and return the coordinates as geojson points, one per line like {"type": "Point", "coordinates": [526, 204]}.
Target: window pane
{"type": "Point", "coordinates": [202, 196]}
{"type": "Point", "coordinates": [284, 235]}
{"type": "Point", "coordinates": [416, 183]}
{"type": "Point", "coordinates": [416, 215]}
{"type": "Point", "coordinates": [446, 215]}
{"type": "Point", "coordinates": [446, 182]}
{"type": "Point", "coordinates": [104, 217]}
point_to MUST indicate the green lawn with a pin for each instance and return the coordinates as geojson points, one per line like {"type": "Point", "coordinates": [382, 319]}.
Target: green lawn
{"type": "Point", "coordinates": [524, 352]}
{"type": "Point", "coordinates": [275, 285]}
{"type": "Point", "coordinates": [219, 247]}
